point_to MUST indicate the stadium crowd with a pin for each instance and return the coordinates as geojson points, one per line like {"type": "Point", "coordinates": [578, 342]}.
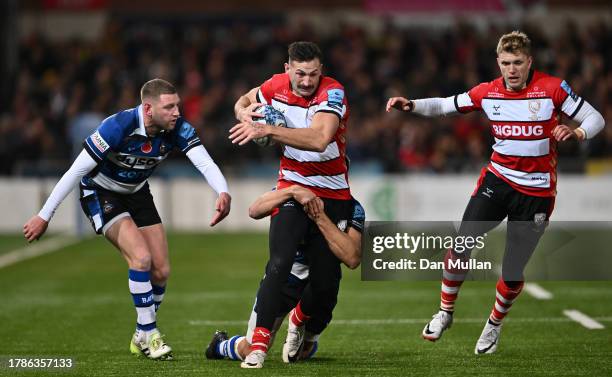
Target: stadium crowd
{"type": "Point", "coordinates": [62, 90]}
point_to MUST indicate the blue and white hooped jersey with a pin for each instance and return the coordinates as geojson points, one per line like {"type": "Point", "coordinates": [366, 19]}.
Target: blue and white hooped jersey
{"type": "Point", "coordinates": [300, 270]}
{"type": "Point", "coordinates": [126, 156]}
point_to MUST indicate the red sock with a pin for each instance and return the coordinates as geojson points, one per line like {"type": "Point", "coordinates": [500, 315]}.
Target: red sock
{"type": "Point", "coordinates": [261, 339]}
{"type": "Point", "coordinates": [452, 278]}
{"type": "Point", "coordinates": [504, 298]}
{"type": "Point", "coordinates": [297, 317]}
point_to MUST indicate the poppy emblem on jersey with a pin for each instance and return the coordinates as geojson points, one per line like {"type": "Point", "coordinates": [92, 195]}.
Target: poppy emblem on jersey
{"type": "Point", "coordinates": [146, 147]}
{"type": "Point", "coordinates": [534, 108]}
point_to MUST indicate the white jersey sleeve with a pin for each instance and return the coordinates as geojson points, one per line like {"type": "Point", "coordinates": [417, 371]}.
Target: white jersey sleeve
{"type": "Point", "coordinates": [200, 158]}
{"type": "Point", "coordinates": [591, 121]}
{"type": "Point", "coordinates": [83, 164]}
{"type": "Point", "coordinates": [431, 107]}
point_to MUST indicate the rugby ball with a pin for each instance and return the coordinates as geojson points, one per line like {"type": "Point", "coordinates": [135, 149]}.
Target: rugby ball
{"type": "Point", "coordinates": [270, 116]}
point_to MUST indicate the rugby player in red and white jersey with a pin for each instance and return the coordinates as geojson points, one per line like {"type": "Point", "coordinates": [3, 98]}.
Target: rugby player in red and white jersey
{"type": "Point", "coordinates": [316, 111]}
{"type": "Point", "coordinates": [524, 107]}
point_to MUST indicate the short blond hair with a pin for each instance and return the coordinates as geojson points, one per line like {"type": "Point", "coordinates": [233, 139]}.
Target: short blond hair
{"type": "Point", "coordinates": [514, 43]}
{"type": "Point", "coordinates": [152, 89]}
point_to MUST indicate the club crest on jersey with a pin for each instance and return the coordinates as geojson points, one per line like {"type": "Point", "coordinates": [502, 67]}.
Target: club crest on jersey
{"type": "Point", "coordinates": [163, 149]}
{"type": "Point", "coordinates": [342, 225]}
{"type": "Point", "coordinates": [539, 218]}
{"type": "Point", "coordinates": [534, 107]}
{"type": "Point", "coordinates": [496, 109]}
{"type": "Point", "coordinates": [146, 147]}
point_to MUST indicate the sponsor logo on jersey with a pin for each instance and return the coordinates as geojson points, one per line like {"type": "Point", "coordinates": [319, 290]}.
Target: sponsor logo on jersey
{"type": "Point", "coordinates": [99, 142]}
{"type": "Point", "coordinates": [335, 98]}
{"type": "Point", "coordinates": [135, 162]}
{"type": "Point", "coordinates": [508, 130]}
{"type": "Point", "coordinates": [281, 97]}
{"type": "Point", "coordinates": [146, 147]}
{"type": "Point", "coordinates": [535, 94]}
{"type": "Point", "coordinates": [565, 86]}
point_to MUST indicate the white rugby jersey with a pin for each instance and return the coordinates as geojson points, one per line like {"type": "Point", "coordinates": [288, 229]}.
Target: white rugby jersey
{"type": "Point", "coordinates": [524, 153]}
{"type": "Point", "coordinates": [325, 173]}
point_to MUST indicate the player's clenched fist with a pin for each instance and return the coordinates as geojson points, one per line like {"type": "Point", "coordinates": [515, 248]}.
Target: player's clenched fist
{"type": "Point", "coordinates": [563, 133]}
{"type": "Point", "coordinates": [35, 228]}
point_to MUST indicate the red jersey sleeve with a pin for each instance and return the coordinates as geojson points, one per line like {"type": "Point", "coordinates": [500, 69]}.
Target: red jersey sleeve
{"type": "Point", "coordinates": [332, 99]}
{"type": "Point", "coordinates": [265, 92]}
{"type": "Point", "coordinates": [473, 102]}
{"type": "Point", "coordinates": [565, 99]}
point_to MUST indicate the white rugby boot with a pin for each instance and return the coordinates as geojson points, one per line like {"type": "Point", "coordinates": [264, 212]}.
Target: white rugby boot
{"type": "Point", "coordinates": [440, 321]}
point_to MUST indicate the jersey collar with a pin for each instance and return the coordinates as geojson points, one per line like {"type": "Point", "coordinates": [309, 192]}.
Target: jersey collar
{"type": "Point", "coordinates": [141, 127]}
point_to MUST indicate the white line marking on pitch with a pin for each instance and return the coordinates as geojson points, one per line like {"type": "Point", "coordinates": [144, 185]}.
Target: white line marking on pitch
{"type": "Point", "coordinates": [34, 250]}
{"type": "Point", "coordinates": [537, 291]}
{"type": "Point", "coordinates": [396, 321]}
{"type": "Point", "coordinates": [583, 319]}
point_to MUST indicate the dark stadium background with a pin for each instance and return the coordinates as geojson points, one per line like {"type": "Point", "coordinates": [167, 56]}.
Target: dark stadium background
{"type": "Point", "coordinates": [67, 64]}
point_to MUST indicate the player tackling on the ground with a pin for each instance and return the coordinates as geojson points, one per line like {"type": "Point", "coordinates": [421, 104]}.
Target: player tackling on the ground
{"type": "Point", "coordinates": [112, 172]}
{"type": "Point", "coordinates": [344, 240]}
{"type": "Point", "coordinates": [316, 111]}
{"type": "Point", "coordinates": [519, 182]}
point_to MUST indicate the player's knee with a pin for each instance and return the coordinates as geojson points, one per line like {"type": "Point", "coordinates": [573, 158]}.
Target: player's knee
{"type": "Point", "coordinates": [278, 266]}
{"type": "Point", "coordinates": [160, 274]}
{"type": "Point", "coordinates": [327, 293]}
{"type": "Point", "coordinates": [140, 259]}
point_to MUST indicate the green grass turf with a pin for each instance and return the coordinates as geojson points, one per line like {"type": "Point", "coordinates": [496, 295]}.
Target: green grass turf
{"type": "Point", "coordinates": [75, 303]}
{"type": "Point", "coordinates": [10, 242]}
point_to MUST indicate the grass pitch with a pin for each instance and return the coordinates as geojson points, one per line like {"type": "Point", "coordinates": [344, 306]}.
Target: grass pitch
{"type": "Point", "coordinates": [74, 303]}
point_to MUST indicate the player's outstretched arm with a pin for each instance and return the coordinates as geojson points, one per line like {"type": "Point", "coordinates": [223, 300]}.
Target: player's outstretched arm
{"type": "Point", "coordinates": [245, 106]}
{"type": "Point", "coordinates": [429, 107]}
{"type": "Point", "coordinates": [37, 225]}
{"type": "Point", "coordinates": [345, 246]}
{"type": "Point", "coordinates": [264, 204]}
{"type": "Point", "coordinates": [200, 158]}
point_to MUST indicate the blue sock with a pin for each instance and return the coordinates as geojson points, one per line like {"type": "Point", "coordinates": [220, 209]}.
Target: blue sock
{"type": "Point", "coordinates": [227, 348]}
{"type": "Point", "coordinates": [158, 295]}
{"type": "Point", "coordinates": [142, 294]}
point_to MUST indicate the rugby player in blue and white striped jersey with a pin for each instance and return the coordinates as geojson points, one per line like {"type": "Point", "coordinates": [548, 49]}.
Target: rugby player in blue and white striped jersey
{"type": "Point", "coordinates": [112, 172]}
